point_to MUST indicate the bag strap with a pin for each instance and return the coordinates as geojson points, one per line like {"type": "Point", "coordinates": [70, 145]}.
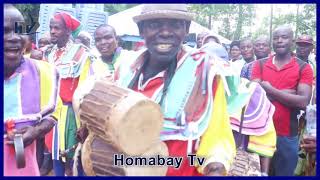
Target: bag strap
{"type": "Point", "coordinates": [261, 63]}
{"type": "Point", "coordinates": [241, 120]}
{"type": "Point", "coordinates": [240, 128]}
{"type": "Point", "coordinates": [302, 64]}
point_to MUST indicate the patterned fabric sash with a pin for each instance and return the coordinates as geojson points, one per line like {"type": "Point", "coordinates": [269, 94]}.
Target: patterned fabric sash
{"type": "Point", "coordinates": [71, 62]}
{"type": "Point", "coordinates": [179, 122]}
{"type": "Point", "coordinates": [188, 87]}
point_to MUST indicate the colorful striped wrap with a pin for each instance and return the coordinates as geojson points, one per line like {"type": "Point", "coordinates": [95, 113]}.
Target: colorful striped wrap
{"type": "Point", "coordinates": [75, 62]}
{"type": "Point", "coordinates": [257, 122]}
{"type": "Point", "coordinates": [30, 90]}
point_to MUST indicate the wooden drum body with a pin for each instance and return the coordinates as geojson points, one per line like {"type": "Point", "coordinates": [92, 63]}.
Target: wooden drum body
{"type": "Point", "coordinates": [119, 121]}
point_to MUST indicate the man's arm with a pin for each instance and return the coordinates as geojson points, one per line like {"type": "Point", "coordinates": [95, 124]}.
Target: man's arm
{"type": "Point", "coordinates": [299, 100]}
{"type": "Point", "coordinates": [45, 126]}
{"type": "Point", "coordinates": [309, 144]}
{"type": "Point", "coordinates": [31, 133]}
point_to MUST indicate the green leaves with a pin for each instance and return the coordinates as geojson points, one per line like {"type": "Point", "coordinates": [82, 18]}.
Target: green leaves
{"type": "Point", "coordinates": [115, 8]}
{"type": "Point", "coordinates": [230, 17]}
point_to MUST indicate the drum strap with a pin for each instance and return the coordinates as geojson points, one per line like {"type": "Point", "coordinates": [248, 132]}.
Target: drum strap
{"type": "Point", "coordinates": [241, 146]}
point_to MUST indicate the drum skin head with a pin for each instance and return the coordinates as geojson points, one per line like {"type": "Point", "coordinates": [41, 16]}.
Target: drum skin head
{"type": "Point", "coordinates": [97, 159]}
{"type": "Point", "coordinates": [127, 119]}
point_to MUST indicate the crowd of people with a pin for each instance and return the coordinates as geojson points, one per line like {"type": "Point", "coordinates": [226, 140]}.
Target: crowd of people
{"type": "Point", "coordinates": [250, 98]}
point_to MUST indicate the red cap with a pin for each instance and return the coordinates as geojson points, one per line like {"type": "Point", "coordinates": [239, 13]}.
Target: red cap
{"type": "Point", "coordinates": [305, 39]}
{"type": "Point", "coordinates": [71, 22]}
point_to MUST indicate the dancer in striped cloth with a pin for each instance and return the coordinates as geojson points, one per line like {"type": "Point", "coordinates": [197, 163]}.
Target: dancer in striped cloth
{"type": "Point", "coordinates": [31, 101]}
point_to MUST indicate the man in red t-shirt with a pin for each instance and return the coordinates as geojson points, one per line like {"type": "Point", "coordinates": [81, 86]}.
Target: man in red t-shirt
{"type": "Point", "coordinates": [288, 84]}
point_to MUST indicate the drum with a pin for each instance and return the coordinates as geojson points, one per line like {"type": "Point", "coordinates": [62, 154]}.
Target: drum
{"type": "Point", "coordinates": [120, 122]}
{"type": "Point", "coordinates": [245, 164]}
{"type": "Point", "coordinates": [97, 158]}
{"type": "Point", "coordinates": [159, 148]}
{"type": "Point", "coordinates": [127, 120]}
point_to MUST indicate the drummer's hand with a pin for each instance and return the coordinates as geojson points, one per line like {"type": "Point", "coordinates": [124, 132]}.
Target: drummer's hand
{"type": "Point", "coordinates": [29, 134]}
{"type": "Point", "coordinates": [214, 169]}
{"type": "Point", "coordinates": [9, 136]}
{"type": "Point", "coordinates": [82, 134]}
{"type": "Point", "coordinates": [309, 144]}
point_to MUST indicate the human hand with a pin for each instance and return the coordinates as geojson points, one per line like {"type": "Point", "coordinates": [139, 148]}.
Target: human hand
{"type": "Point", "coordinates": [82, 134]}
{"type": "Point", "coordinates": [215, 169]}
{"type": "Point", "coordinates": [266, 85]}
{"type": "Point", "coordinates": [29, 134]}
{"type": "Point", "coordinates": [270, 98]}
{"type": "Point", "coordinates": [309, 144]}
{"type": "Point", "coordinates": [9, 136]}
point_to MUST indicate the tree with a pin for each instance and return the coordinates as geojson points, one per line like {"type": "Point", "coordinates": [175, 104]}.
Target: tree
{"type": "Point", "coordinates": [237, 33]}
{"type": "Point", "coordinates": [30, 13]}
{"type": "Point", "coordinates": [115, 8]}
{"type": "Point", "coordinates": [232, 17]}
{"type": "Point", "coordinates": [204, 13]}
{"type": "Point", "coordinates": [271, 18]}
{"type": "Point", "coordinates": [303, 22]}
{"type": "Point", "coordinates": [227, 14]}
{"type": "Point", "coordinates": [307, 20]}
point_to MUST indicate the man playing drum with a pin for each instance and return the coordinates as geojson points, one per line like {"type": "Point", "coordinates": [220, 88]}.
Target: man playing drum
{"type": "Point", "coordinates": [197, 93]}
